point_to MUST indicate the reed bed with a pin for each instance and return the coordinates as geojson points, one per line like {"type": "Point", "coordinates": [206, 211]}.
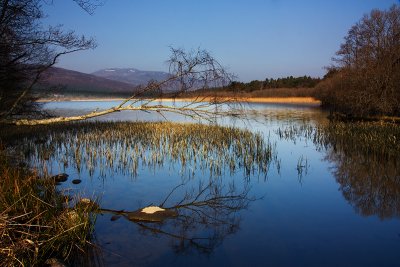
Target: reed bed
{"type": "Point", "coordinates": [377, 140]}
{"type": "Point", "coordinates": [365, 157]}
{"type": "Point", "coordinates": [37, 222]}
{"type": "Point", "coordinates": [371, 137]}
{"type": "Point", "coordinates": [109, 147]}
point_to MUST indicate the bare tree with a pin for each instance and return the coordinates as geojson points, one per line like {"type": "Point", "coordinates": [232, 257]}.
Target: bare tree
{"type": "Point", "coordinates": [368, 67]}
{"type": "Point", "coordinates": [27, 49]}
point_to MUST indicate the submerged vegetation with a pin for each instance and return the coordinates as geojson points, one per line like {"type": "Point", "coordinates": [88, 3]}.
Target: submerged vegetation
{"type": "Point", "coordinates": [37, 222]}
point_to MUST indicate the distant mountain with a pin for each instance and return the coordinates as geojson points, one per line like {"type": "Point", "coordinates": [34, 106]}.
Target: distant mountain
{"type": "Point", "coordinates": [63, 81]}
{"type": "Point", "coordinates": [131, 75]}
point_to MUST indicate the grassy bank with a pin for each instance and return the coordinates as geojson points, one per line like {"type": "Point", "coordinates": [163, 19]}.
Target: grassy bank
{"type": "Point", "coordinates": [37, 222]}
{"type": "Point", "coordinates": [280, 95]}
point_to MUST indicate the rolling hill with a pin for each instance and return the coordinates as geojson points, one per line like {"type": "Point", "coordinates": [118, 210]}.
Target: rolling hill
{"type": "Point", "coordinates": [131, 75]}
{"type": "Point", "coordinates": [69, 82]}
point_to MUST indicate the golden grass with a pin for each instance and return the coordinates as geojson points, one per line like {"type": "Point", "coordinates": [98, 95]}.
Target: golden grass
{"type": "Point", "coordinates": [125, 146]}
{"type": "Point", "coordinates": [280, 100]}
{"type": "Point", "coordinates": [283, 100]}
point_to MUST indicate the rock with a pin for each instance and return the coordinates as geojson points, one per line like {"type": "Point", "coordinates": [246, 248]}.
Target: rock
{"type": "Point", "coordinates": [152, 209]}
{"type": "Point", "coordinates": [76, 181]}
{"type": "Point", "coordinates": [151, 214]}
{"type": "Point", "coordinates": [85, 200]}
{"type": "Point", "coordinates": [60, 178]}
{"type": "Point", "coordinates": [87, 204]}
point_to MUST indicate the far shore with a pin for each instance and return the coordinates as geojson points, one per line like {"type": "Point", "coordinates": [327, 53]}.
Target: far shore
{"type": "Point", "coordinates": [271, 100]}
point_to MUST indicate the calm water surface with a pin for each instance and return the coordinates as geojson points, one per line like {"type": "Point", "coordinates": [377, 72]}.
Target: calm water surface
{"type": "Point", "coordinates": [313, 207]}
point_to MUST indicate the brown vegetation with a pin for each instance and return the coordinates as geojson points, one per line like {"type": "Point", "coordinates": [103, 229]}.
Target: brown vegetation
{"type": "Point", "coordinates": [365, 81]}
{"type": "Point", "coordinates": [36, 222]}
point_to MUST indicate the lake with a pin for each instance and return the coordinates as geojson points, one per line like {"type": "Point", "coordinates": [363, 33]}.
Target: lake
{"type": "Point", "coordinates": [293, 192]}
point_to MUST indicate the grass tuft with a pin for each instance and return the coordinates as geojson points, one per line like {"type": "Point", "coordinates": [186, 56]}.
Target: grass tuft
{"type": "Point", "coordinates": [36, 222]}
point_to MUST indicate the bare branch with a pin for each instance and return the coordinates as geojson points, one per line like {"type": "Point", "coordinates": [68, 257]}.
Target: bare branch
{"type": "Point", "coordinates": [89, 5]}
{"type": "Point", "coordinates": [188, 71]}
{"type": "Point", "coordinates": [27, 49]}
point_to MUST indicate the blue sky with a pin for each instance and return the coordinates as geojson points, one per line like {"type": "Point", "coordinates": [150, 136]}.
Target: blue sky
{"type": "Point", "coordinates": [254, 39]}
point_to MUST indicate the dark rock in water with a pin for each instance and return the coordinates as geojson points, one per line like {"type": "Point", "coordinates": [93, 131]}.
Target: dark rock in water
{"type": "Point", "coordinates": [115, 217]}
{"type": "Point", "coordinates": [60, 178]}
{"type": "Point", "coordinates": [76, 181]}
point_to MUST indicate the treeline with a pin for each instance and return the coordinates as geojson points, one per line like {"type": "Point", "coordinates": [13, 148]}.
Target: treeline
{"type": "Point", "coordinates": [364, 80]}
{"type": "Point", "coordinates": [288, 82]}
{"type": "Point", "coordinates": [281, 87]}
{"type": "Point", "coordinates": [291, 82]}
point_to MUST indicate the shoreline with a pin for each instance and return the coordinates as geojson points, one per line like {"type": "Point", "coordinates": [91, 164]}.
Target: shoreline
{"type": "Point", "coordinates": [267, 100]}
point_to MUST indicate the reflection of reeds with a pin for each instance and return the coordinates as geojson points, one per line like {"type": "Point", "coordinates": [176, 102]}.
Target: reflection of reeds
{"type": "Point", "coordinates": [376, 140]}
{"type": "Point", "coordinates": [123, 147]}
{"type": "Point", "coordinates": [366, 161]}
{"type": "Point", "coordinates": [302, 168]}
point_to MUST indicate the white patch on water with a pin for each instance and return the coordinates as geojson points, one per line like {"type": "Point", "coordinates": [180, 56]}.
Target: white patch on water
{"type": "Point", "coordinates": [152, 209]}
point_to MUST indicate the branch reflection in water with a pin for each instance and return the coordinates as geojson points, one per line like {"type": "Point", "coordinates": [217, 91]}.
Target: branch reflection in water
{"type": "Point", "coordinates": [200, 220]}
{"type": "Point", "coordinates": [213, 166]}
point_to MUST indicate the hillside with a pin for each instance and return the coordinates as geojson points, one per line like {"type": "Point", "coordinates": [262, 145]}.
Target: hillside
{"type": "Point", "coordinates": [131, 76]}
{"type": "Point", "coordinates": [69, 82]}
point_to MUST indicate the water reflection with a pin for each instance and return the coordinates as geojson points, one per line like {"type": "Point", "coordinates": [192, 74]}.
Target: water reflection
{"type": "Point", "coordinates": [108, 148]}
{"type": "Point", "coordinates": [302, 221]}
{"type": "Point", "coordinates": [200, 221]}
{"type": "Point", "coordinates": [212, 166]}
{"type": "Point", "coordinates": [365, 159]}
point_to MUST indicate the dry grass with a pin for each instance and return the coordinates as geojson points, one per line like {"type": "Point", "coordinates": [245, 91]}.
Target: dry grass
{"type": "Point", "coordinates": [285, 100]}
{"type": "Point", "coordinates": [277, 95]}
{"type": "Point", "coordinates": [36, 221]}
{"type": "Point", "coordinates": [125, 146]}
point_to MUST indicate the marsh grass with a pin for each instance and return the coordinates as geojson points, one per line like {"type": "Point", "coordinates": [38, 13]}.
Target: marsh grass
{"type": "Point", "coordinates": [36, 221]}
{"type": "Point", "coordinates": [123, 147]}
{"type": "Point", "coordinates": [377, 140]}
{"type": "Point", "coordinates": [365, 157]}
